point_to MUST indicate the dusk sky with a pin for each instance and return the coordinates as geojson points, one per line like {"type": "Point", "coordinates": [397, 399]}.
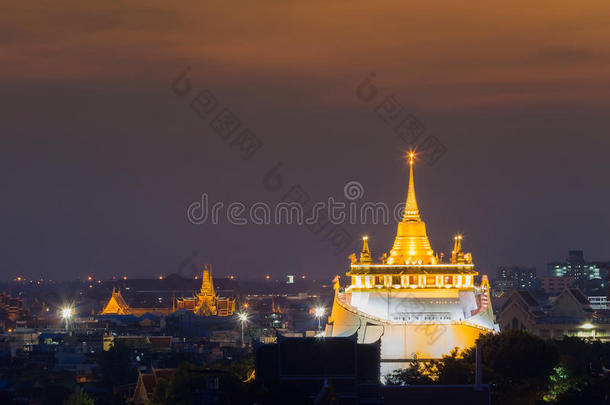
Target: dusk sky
{"type": "Point", "coordinates": [99, 158]}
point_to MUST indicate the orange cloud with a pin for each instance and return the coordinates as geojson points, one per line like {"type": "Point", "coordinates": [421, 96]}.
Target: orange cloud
{"type": "Point", "coordinates": [445, 52]}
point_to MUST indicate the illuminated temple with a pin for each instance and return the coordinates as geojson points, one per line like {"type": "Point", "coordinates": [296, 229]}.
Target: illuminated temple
{"type": "Point", "coordinates": [205, 303]}
{"type": "Point", "coordinates": [417, 304]}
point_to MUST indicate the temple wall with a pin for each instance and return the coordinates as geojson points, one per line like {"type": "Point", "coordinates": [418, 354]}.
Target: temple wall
{"type": "Point", "coordinates": [403, 341]}
{"type": "Point", "coordinates": [459, 305]}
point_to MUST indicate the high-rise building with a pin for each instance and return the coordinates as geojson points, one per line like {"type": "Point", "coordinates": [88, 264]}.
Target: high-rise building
{"type": "Point", "coordinates": [555, 285]}
{"type": "Point", "coordinates": [416, 304]}
{"type": "Point", "coordinates": [591, 277]}
{"type": "Point", "coordinates": [515, 278]}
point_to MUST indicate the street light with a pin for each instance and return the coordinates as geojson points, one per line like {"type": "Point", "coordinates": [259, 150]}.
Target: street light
{"type": "Point", "coordinates": [319, 313]}
{"type": "Point", "coordinates": [66, 315]}
{"type": "Point", "coordinates": [243, 318]}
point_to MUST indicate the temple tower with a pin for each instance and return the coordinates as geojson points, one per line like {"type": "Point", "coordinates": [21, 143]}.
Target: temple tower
{"type": "Point", "coordinates": [415, 304]}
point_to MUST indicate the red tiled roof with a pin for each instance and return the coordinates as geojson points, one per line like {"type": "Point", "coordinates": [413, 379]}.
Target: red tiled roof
{"type": "Point", "coordinates": [148, 380]}
{"type": "Point", "coordinates": [161, 342]}
{"type": "Point", "coordinates": [165, 373]}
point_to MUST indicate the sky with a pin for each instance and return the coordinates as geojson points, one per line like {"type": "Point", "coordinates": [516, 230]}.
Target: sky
{"type": "Point", "coordinates": [100, 158]}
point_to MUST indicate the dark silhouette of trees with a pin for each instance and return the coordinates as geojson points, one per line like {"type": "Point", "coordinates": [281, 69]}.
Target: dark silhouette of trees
{"type": "Point", "coordinates": [517, 364]}
{"type": "Point", "coordinates": [115, 366]}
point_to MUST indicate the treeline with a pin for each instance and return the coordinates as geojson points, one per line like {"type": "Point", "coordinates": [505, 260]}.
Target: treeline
{"type": "Point", "coordinates": [523, 369]}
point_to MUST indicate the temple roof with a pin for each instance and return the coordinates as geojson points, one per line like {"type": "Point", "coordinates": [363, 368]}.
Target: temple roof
{"type": "Point", "coordinates": [116, 304]}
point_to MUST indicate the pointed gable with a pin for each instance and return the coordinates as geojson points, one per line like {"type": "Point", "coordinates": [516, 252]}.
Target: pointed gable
{"type": "Point", "coordinates": [571, 303]}
{"type": "Point", "coordinates": [116, 305]}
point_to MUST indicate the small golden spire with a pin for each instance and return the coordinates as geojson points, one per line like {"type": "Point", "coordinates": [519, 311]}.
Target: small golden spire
{"type": "Point", "coordinates": [457, 255]}
{"type": "Point", "coordinates": [336, 284]}
{"type": "Point", "coordinates": [384, 258]}
{"type": "Point", "coordinates": [365, 255]}
{"type": "Point", "coordinates": [352, 258]}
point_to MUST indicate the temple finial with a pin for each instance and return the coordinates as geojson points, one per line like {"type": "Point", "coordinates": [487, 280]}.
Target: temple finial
{"type": "Point", "coordinates": [365, 255]}
{"type": "Point", "coordinates": [457, 255]}
{"type": "Point", "coordinates": [411, 210]}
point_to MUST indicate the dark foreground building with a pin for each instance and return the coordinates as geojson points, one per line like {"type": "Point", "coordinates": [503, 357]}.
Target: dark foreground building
{"type": "Point", "coordinates": [319, 370]}
{"type": "Point", "coordinates": [338, 370]}
{"type": "Point", "coordinates": [436, 394]}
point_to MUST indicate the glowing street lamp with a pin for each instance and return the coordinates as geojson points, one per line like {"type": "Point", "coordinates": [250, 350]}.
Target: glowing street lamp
{"type": "Point", "coordinates": [66, 315]}
{"type": "Point", "coordinates": [319, 313]}
{"type": "Point", "coordinates": [243, 318]}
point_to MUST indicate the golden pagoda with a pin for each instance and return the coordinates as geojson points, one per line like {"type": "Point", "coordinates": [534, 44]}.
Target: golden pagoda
{"type": "Point", "coordinates": [411, 245]}
{"type": "Point", "coordinates": [205, 302]}
{"type": "Point", "coordinates": [417, 305]}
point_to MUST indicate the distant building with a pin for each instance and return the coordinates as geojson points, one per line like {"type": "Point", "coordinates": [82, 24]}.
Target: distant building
{"type": "Point", "coordinates": [590, 277]}
{"type": "Point", "coordinates": [117, 305]}
{"type": "Point", "coordinates": [187, 324]}
{"type": "Point", "coordinates": [208, 386]}
{"type": "Point", "coordinates": [598, 302]}
{"type": "Point", "coordinates": [555, 285]}
{"type": "Point", "coordinates": [205, 303]}
{"type": "Point", "coordinates": [146, 384]}
{"type": "Point", "coordinates": [11, 309]}
{"type": "Point", "coordinates": [515, 278]}
{"type": "Point", "coordinates": [568, 314]}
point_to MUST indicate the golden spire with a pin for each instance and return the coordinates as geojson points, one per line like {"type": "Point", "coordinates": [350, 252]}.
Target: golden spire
{"type": "Point", "coordinates": [207, 283]}
{"type": "Point", "coordinates": [411, 210]}
{"type": "Point", "coordinates": [411, 245]}
{"type": "Point", "coordinates": [205, 303]}
{"type": "Point", "coordinates": [365, 255]}
{"type": "Point", "coordinates": [457, 244]}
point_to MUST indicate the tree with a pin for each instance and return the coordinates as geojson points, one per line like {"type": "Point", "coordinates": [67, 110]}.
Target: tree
{"type": "Point", "coordinates": [515, 363]}
{"type": "Point", "coordinates": [455, 368]}
{"type": "Point", "coordinates": [581, 377]}
{"type": "Point", "coordinates": [191, 381]}
{"type": "Point", "coordinates": [115, 366]}
{"type": "Point", "coordinates": [160, 393]}
{"type": "Point", "coordinates": [412, 375]}
{"type": "Point", "coordinates": [241, 368]}
{"type": "Point", "coordinates": [79, 397]}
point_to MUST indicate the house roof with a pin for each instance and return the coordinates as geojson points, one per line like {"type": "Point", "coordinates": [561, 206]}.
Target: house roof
{"type": "Point", "coordinates": [148, 380]}
{"type": "Point", "coordinates": [161, 342]}
{"type": "Point", "coordinates": [529, 299]}
{"type": "Point", "coordinates": [165, 373]}
{"type": "Point", "coordinates": [579, 296]}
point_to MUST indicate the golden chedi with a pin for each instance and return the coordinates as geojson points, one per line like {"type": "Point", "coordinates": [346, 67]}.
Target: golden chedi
{"type": "Point", "coordinates": [417, 305]}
